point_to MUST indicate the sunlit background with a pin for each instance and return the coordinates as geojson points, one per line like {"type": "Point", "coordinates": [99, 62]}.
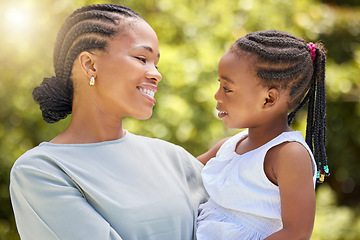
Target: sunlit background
{"type": "Point", "coordinates": [193, 35]}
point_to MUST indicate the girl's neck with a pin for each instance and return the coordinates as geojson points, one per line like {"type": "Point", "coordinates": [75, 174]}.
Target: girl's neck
{"type": "Point", "coordinates": [259, 136]}
{"type": "Point", "coordinates": [266, 134]}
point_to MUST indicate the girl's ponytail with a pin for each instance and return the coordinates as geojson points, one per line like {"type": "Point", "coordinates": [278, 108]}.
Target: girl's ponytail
{"type": "Point", "coordinates": [316, 119]}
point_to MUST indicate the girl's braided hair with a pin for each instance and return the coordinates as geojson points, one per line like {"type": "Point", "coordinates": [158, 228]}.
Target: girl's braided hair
{"type": "Point", "coordinates": [86, 29]}
{"type": "Point", "coordinates": [288, 62]}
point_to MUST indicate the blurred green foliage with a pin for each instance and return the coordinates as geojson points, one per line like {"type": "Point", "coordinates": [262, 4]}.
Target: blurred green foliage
{"type": "Point", "coordinates": [193, 36]}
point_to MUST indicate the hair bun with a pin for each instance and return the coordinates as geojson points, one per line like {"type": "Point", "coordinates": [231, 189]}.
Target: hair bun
{"type": "Point", "coordinates": [54, 98]}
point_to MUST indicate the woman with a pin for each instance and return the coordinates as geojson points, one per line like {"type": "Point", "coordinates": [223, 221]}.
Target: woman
{"type": "Point", "coordinates": [95, 180]}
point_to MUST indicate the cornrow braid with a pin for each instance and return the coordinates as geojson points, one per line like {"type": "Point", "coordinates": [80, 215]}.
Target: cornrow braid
{"type": "Point", "coordinates": [86, 29]}
{"type": "Point", "coordinates": [285, 61]}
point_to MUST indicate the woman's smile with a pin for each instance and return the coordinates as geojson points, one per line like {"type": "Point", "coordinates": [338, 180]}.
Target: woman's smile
{"type": "Point", "coordinates": [148, 90]}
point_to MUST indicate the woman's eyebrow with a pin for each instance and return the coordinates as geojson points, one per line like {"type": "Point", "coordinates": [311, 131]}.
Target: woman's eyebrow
{"type": "Point", "coordinates": [148, 49]}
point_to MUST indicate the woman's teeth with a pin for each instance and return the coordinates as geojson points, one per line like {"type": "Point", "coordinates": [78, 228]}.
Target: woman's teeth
{"type": "Point", "coordinates": [148, 92]}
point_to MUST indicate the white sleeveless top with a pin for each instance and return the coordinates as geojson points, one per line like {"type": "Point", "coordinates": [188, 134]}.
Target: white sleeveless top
{"type": "Point", "coordinates": [243, 203]}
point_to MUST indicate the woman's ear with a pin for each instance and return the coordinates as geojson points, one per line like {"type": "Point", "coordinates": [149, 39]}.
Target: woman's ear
{"type": "Point", "coordinates": [87, 63]}
{"type": "Point", "coordinates": [272, 96]}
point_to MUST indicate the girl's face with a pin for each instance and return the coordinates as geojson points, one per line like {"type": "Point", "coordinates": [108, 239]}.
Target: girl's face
{"type": "Point", "coordinates": [126, 74]}
{"type": "Point", "coordinates": [240, 96]}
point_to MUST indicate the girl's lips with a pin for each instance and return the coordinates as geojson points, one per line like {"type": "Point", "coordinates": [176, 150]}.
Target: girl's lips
{"type": "Point", "coordinates": [222, 114]}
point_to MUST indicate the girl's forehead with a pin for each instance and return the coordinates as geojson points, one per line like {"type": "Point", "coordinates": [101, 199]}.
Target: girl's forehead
{"type": "Point", "coordinates": [233, 60]}
{"type": "Point", "coordinates": [238, 69]}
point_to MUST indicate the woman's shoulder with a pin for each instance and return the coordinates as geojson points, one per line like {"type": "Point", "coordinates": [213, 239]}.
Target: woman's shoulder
{"type": "Point", "coordinates": [33, 156]}
{"type": "Point", "coordinates": [36, 161]}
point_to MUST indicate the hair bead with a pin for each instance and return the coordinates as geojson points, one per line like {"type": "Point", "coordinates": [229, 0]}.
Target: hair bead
{"type": "Point", "coordinates": [312, 48]}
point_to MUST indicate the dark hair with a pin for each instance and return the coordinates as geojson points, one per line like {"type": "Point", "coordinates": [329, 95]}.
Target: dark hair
{"type": "Point", "coordinates": [284, 61]}
{"type": "Point", "coordinates": [86, 29]}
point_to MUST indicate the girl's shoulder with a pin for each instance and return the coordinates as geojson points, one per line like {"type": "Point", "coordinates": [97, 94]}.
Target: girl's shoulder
{"type": "Point", "coordinates": [290, 152]}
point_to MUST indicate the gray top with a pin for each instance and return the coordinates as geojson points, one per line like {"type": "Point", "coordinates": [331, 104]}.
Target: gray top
{"type": "Point", "coordinates": [131, 188]}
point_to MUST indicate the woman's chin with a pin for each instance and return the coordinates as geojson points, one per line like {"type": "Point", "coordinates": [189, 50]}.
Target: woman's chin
{"type": "Point", "coordinates": [144, 115]}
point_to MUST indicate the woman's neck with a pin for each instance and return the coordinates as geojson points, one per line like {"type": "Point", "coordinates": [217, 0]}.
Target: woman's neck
{"type": "Point", "coordinates": [91, 127]}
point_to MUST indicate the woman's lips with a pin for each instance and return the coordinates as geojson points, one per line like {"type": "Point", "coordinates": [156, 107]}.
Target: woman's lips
{"type": "Point", "coordinates": [148, 90]}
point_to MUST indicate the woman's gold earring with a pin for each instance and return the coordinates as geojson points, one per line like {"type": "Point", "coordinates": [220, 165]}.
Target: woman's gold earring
{"type": "Point", "coordinates": [92, 81]}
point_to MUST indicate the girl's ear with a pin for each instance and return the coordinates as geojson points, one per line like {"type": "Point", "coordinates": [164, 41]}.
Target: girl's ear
{"type": "Point", "coordinates": [272, 96]}
{"type": "Point", "coordinates": [87, 62]}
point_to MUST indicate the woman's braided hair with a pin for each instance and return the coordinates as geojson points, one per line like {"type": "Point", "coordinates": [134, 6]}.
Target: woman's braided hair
{"type": "Point", "coordinates": [285, 61]}
{"type": "Point", "coordinates": [86, 29]}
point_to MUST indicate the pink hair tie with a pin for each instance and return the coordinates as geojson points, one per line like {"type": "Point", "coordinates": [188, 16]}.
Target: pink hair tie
{"type": "Point", "coordinates": [312, 50]}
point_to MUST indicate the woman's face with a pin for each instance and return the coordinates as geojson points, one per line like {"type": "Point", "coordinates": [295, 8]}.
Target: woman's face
{"type": "Point", "coordinates": [126, 74]}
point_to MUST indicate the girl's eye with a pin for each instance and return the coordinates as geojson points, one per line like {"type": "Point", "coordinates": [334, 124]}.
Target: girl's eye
{"type": "Point", "coordinates": [141, 59]}
{"type": "Point", "coordinates": [226, 90]}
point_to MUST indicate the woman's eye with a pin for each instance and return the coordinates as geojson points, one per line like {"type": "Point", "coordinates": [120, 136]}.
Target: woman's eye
{"type": "Point", "coordinates": [141, 59]}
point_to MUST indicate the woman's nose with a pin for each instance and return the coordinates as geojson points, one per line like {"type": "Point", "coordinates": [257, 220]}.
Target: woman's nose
{"type": "Point", "coordinates": [154, 74]}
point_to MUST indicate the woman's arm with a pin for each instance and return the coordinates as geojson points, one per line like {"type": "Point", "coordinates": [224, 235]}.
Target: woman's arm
{"type": "Point", "coordinates": [48, 205]}
{"type": "Point", "coordinates": [204, 158]}
{"type": "Point", "coordinates": [294, 175]}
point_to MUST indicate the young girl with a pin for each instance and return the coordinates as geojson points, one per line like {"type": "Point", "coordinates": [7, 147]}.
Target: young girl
{"type": "Point", "coordinates": [261, 182]}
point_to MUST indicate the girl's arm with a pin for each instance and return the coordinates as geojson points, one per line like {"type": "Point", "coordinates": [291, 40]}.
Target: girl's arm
{"type": "Point", "coordinates": [294, 175]}
{"type": "Point", "coordinates": [205, 157]}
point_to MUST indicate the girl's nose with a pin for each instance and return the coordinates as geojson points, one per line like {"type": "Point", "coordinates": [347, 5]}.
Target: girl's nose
{"type": "Point", "coordinates": [217, 95]}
